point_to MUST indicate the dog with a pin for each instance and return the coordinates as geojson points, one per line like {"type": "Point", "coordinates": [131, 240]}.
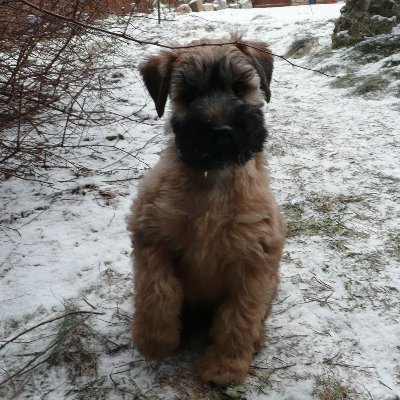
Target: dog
{"type": "Point", "coordinates": [206, 231]}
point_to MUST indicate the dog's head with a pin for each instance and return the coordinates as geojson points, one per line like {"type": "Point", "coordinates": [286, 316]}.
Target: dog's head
{"type": "Point", "coordinates": [217, 93]}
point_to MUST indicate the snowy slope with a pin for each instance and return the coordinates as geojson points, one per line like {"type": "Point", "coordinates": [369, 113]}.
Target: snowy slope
{"type": "Point", "coordinates": [334, 165]}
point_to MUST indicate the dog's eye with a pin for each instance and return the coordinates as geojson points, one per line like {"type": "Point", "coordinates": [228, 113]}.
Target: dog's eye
{"type": "Point", "coordinates": [189, 95]}
{"type": "Point", "coordinates": [239, 89]}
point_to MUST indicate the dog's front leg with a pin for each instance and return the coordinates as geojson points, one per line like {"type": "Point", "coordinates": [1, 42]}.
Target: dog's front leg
{"type": "Point", "coordinates": [238, 325]}
{"type": "Point", "coordinates": [158, 302]}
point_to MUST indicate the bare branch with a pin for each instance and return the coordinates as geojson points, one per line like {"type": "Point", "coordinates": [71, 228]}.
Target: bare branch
{"type": "Point", "coordinates": [125, 36]}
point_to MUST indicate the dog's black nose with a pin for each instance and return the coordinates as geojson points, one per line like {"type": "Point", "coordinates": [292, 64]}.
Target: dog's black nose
{"type": "Point", "coordinates": [222, 130]}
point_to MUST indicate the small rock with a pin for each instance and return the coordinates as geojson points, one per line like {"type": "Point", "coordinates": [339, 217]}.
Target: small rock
{"type": "Point", "coordinates": [196, 5]}
{"type": "Point", "coordinates": [116, 75]}
{"type": "Point", "coordinates": [184, 9]}
{"type": "Point", "coordinates": [108, 194]}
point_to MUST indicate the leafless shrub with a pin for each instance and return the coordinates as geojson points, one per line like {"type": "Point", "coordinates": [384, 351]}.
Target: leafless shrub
{"type": "Point", "coordinates": [48, 70]}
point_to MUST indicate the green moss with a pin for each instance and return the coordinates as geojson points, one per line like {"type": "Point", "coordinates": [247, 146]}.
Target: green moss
{"type": "Point", "coordinates": [370, 84]}
{"type": "Point", "coordinates": [383, 46]}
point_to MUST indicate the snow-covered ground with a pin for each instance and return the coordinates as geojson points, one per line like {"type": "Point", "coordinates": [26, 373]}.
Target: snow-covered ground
{"type": "Point", "coordinates": [335, 168]}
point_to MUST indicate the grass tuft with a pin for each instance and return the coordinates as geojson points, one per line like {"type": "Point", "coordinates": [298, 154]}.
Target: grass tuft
{"type": "Point", "coordinates": [320, 215]}
{"type": "Point", "coordinates": [74, 341]}
{"type": "Point", "coordinates": [300, 47]}
{"type": "Point", "coordinates": [331, 389]}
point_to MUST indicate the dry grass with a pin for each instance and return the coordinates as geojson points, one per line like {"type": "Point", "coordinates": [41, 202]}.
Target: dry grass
{"type": "Point", "coordinates": [331, 389]}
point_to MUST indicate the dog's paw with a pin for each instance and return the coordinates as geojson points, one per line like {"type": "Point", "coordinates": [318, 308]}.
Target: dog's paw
{"type": "Point", "coordinates": [155, 343]}
{"type": "Point", "coordinates": [155, 347]}
{"type": "Point", "coordinates": [217, 368]}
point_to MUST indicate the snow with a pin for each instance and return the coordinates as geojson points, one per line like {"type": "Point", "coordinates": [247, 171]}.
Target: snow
{"type": "Point", "coordinates": [334, 164]}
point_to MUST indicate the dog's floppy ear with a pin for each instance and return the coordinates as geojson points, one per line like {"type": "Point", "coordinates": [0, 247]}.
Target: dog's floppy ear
{"type": "Point", "coordinates": [263, 63]}
{"type": "Point", "coordinates": [156, 73]}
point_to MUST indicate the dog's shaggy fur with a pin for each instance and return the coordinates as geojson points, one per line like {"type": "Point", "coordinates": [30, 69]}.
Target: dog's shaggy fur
{"type": "Point", "coordinates": [205, 228]}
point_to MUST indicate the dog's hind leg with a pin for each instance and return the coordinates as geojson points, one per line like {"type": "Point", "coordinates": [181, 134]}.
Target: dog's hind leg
{"type": "Point", "coordinates": [158, 302]}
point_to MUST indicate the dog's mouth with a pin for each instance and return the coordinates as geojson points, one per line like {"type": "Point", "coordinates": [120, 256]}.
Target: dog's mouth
{"type": "Point", "coordinates": [210, 161]}
{"type": "Point", "coordinates": [207, 146]}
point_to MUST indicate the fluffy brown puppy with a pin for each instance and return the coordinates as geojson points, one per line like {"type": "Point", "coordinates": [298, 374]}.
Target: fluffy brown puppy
{"type": "Point", "coordinates": [206, 231]}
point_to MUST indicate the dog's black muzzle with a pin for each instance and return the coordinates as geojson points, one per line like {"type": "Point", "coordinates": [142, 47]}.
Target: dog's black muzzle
{"type": "Point", "coordinates": [210, 138]}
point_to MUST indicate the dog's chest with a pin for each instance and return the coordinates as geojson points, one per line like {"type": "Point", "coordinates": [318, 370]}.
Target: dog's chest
{"type": "Point", "coordinates": [211, 227]}
{"type": "Point", "coordinates": [205, 254]}
{"type": "Point", "coordinates": [199, 231]}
